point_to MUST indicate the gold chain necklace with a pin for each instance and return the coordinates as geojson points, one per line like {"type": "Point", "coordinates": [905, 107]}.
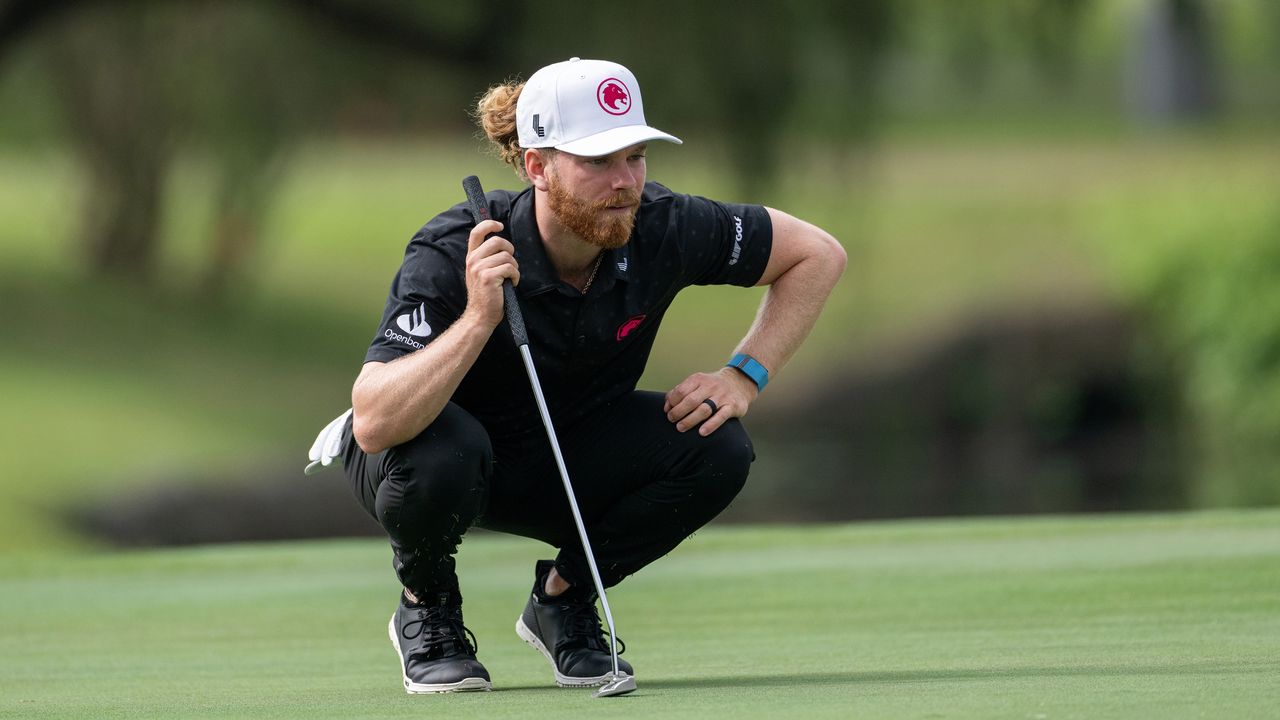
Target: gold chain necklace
{"type": "Point", "coordinates": [594, 270]}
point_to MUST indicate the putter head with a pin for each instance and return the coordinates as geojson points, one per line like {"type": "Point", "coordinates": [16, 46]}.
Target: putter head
{"type": "Point", "coordinates": [619, 684]}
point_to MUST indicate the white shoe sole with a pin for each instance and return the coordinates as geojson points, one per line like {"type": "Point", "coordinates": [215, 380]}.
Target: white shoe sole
{"type": "Point", "coordinates": [464, 685]}
{"type": "Point", "coordinates": [562, 680]}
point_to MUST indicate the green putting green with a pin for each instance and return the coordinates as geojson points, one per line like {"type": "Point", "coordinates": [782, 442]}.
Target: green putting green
{"type": "Point", "coordinates": [1147, 616]}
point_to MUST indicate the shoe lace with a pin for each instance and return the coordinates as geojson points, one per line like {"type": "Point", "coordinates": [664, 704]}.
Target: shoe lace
{"type": "Point", "coordinates": [441, 633]}
{"type": "Point", "coordinates": [582, 627]}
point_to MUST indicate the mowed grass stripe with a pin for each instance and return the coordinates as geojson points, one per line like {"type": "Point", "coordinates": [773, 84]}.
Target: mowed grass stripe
{"type": "Point", "coordinates": [1164, 616]}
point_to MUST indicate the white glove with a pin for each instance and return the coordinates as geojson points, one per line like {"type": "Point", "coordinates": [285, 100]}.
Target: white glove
{"type": "Point", "coordinates": [328, 445]}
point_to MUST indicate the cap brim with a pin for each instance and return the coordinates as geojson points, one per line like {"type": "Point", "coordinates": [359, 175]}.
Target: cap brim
{"type": "Point", "coordinates": [615, 139]}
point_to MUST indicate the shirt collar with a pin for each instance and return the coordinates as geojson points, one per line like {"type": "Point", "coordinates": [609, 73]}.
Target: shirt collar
{"type": "Point", "coordinates": [536, 272]}
{"type": "Point", "coordinates": [615, 265]}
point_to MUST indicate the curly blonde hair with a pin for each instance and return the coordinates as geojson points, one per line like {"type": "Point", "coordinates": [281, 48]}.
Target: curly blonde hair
{"type": "Point", "coordinates": [495, 113]}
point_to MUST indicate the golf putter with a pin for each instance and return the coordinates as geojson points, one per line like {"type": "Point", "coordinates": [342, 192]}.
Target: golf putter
{"type": "Point", "coordinates": [619, 683]}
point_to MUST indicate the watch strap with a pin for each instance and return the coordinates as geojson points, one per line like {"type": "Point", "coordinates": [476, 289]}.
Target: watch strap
{"type": "Point", "coordinates": [750, 367]}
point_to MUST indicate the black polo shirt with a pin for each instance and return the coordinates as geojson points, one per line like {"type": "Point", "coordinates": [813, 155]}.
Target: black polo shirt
{"type": "Point", "coordinates": [588, 350]}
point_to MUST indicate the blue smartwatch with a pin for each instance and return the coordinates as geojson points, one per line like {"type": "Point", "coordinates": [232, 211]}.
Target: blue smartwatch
{"type": "Point", "coordinates": [750, 367]}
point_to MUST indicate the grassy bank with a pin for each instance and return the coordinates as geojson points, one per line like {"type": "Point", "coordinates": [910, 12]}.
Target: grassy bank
{"type": "Point", "coordinates": [1169, 616]}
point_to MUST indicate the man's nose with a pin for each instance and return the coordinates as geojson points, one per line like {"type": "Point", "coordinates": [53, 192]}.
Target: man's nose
{"type": "Point", "coordinates": [625, 178]}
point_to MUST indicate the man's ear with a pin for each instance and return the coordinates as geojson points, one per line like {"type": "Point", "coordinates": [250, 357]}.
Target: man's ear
{"type": "Point", "coordinates": [537, 165]}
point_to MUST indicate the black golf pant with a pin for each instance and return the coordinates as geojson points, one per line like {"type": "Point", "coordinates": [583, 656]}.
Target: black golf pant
{"type": "Point", "coordinates": [642, 488]}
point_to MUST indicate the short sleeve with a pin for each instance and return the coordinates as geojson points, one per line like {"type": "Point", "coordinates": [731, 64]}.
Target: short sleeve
{"type": "Point", "coordinates": [723, 243]}
{"type": "Point", "coordinates": [427, 296]}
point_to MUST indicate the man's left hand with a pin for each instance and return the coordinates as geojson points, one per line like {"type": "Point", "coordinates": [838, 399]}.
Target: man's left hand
{"type": "Point", "coordinates": [707, 400]}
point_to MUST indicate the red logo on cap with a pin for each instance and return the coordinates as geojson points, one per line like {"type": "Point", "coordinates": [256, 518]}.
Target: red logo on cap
{"type": "Point", "coordinates": [614, 97]}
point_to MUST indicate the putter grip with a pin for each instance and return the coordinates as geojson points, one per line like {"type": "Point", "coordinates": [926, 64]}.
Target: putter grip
{"type": "Point", "coordinates": [480, 211]}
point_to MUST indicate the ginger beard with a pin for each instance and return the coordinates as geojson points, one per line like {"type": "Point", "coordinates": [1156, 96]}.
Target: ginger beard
{"type": "Point", "coordinates": [589, 220]}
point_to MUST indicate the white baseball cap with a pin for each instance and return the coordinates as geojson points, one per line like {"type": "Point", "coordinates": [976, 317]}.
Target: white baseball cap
{"type": "Point", "coordinates": [583, 107]}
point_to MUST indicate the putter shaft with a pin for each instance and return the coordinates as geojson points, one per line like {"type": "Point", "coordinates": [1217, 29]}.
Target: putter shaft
{"type": "Point", "coordinates": [573, 501]}
{"type": "Point", "coordinates": [619, 683]}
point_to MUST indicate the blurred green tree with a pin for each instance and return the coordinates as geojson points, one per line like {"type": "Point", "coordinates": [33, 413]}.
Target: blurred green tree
{"type": "Point", "coordinates": [237, 83]}
{"type": "Point", "coordinates": [242, 83]}
{"type": "Point", "coordinates": [116, 108]}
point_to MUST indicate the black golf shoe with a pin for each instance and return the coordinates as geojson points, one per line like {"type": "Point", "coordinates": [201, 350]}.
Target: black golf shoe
{"type": "Point", "coordinates": [566, 630]}
{"type": "Point", "coordinates": [437, 653]}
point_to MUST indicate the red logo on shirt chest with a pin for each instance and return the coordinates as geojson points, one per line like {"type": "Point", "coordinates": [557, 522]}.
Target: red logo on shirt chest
{"type": "Point", "coordinates": [632, 323]}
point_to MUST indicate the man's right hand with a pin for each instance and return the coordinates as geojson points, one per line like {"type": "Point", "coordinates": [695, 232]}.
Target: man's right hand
{"type": "Point", "coordinates": [489, 262]}
{"type": "Point", "coordinates": [394, 401]}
